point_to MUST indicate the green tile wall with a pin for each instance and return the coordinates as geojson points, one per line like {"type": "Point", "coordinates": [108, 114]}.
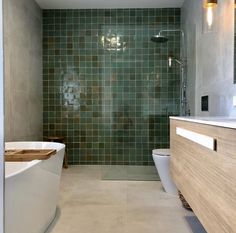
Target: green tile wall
{"type": "Point", "coordinates": [107, 87]}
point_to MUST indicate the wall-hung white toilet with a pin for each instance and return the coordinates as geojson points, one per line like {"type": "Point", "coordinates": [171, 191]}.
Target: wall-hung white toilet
{"type": "Point", "coordinates": [161, 159]}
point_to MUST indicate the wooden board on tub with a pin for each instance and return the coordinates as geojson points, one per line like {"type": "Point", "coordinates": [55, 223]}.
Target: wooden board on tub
{"type": "Point", "coordinates": [25, 155]}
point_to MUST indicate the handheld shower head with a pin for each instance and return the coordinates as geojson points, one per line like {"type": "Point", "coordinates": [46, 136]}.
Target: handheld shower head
{"type": "Point", "coordinates": [170, 58]}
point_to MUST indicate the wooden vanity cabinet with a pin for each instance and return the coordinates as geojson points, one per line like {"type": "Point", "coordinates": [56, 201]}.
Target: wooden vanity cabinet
{"type": "Point", "coordinates": [206, 177]}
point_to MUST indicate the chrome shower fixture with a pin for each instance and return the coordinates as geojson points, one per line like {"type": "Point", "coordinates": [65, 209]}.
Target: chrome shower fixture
{"type": "Point", "coordinates": [159, 38]}
{"type": "Point", "coordinates": [181, 62]}
{"type": "Point", "coordinates": [170, 61]}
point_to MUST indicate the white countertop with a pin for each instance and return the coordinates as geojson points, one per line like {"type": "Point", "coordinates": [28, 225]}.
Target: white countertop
{"type": "Point", "coordinates": [226, 122]}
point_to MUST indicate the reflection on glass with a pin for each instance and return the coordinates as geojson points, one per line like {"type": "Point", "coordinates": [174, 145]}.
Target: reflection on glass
{"type": "Point", "coordinates": [113, 42]}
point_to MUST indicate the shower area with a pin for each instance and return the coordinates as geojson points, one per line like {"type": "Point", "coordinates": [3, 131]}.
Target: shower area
{"type": "Point", "coordinates": [108, 89]}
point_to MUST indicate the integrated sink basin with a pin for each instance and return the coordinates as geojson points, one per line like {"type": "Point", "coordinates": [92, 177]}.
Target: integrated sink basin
{"type": "Point", "coordinates": [226, 122]}
{"type": "Point", "coordinates": [219, 119]}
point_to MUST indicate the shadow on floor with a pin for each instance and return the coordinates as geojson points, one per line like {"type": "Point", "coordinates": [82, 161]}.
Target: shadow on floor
{"type": "Point", "coordinates": [131, 173]}
{"type": "Point", "coordinates": [195, 224]}
{"type": "Point", "coordinates": [54, 221]}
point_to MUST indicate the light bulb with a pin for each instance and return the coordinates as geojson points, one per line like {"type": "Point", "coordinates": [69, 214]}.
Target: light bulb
{"type": "Point", "coordinates": [209, 16]}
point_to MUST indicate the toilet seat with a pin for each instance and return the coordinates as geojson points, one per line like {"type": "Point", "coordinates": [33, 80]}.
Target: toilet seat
{"type": "Point", "coordinates": [161, 152]}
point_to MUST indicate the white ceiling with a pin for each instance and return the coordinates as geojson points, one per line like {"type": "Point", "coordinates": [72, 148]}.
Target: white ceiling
{"type": "Point", "coordinates": [104, 4]}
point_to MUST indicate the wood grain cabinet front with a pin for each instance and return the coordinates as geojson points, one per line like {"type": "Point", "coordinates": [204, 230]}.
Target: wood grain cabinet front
{"type": "Point", "coordinates": [206, 175]}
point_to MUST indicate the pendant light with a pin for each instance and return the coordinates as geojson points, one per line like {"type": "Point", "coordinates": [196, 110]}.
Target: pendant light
{"type": "Point", "coordinates": [210, 15]}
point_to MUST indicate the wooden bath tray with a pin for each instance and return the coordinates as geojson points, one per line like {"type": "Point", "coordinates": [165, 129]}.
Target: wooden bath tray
{"type": "Point", "coordinates": [28, 155]}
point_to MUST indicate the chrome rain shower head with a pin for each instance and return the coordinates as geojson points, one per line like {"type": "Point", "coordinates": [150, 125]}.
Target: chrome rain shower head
{"type": "Point", "coordinates": [159, 38]}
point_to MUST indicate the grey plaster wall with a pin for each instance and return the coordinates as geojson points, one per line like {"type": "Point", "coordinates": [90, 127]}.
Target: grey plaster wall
{"type": "Point", "coordinates": [23, 70]}
{"type": "Point", "coordinates": [210, 59]}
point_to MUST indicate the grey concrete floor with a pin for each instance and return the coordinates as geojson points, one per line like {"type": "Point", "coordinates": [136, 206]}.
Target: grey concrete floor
{"type": "Point", "coordinates": [88, 204]}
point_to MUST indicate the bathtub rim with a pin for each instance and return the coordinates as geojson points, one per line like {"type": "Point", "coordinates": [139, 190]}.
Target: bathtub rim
{"type": "Point", "coordinates": [60, 145]}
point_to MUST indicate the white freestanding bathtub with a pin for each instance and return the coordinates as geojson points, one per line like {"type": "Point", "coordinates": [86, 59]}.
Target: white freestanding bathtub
{"type": "Point", "coordinates": [31, 189]}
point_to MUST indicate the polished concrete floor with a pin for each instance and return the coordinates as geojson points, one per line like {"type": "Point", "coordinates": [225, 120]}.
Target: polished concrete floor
{"type": "Point", "coordinates": [89, 204]}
